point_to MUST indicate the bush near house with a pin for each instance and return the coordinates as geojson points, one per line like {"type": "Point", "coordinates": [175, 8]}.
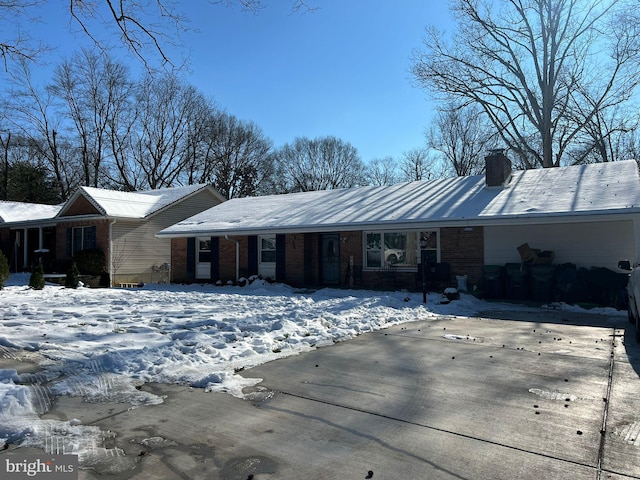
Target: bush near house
{"type": "Point", "coordinates": [4, 270]}
{"type": "Point", "coordinates": [36, 280]}
{"type": "Point", "coordinates": [73, 277]}
{"type": "Point", "coordinates": [90, 262]}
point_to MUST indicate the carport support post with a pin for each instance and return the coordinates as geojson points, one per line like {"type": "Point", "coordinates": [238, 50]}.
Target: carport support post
{"type": "Point", "coordinates": [423, 274]}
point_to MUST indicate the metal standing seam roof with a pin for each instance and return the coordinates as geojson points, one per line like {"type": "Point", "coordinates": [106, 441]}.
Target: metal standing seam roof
{"type": "Point", "coordinates": [113, 203]}
{"type": "Point", "coordinates": [110, 203]}
{"type": "Point", "coordinates": [26, 212]}
{"type": "Point", "coordinates": [594, 189]}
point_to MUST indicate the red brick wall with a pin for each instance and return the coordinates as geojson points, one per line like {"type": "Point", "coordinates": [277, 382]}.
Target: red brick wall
{"type": "Point", "coordinates": [464, 251]}
{"type": "Point", "coordinates": [294, 251]}
{"type": "Point", "coordinates": [228, 259]}
{"type": "Point", "coordinates": [102, 238]}
{"type": "Point", "coordinates": [178, 259]}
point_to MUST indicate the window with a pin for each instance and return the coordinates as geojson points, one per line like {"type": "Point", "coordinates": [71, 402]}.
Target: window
{"type": "Point", "coordinates": [204, 250]}
{"type": "Point", "coordinates": [399, 249]}
{"type": "Point", "coordinates": [82, 238]}
{"type": "Point", "coordinates": [267, 248]}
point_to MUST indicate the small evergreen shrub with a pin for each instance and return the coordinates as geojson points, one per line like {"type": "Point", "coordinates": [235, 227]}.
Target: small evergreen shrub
{"type": "Point", "coordinates": [73, 277]}
{"type": "Point", "coordinates": [90, 262]}
{"type": "Point", "coordinates": [105, 280]}
{"type": "Point", "coordinates": [36, 280]}
{"type": "Point", "coordinates": [4, 270]}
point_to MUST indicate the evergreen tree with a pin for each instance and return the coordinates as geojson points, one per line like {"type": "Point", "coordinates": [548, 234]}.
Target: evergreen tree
{"type": "Point", "coordinates": [4, 270]}
{"type": "Point", "coordinates": [73, 277]}
{"type": "Point", "coordinates": [36, 281]}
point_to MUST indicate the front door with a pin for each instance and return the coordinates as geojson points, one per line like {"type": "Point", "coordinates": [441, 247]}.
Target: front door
{"type": "Point", "coordinates": [203, 258]}
{"type": "Point", "coordinates": [330, 258]}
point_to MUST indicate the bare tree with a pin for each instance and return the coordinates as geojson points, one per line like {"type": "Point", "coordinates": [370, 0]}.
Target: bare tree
{"type": "Point", "coordinates": [15, 44]}
{"type": "Point", "coordinates": [33, 118]}
{"type": "Point", "coordinates": [97, 95]}
{"type": "Point", "coordinates": [147, 28]}
{"type": "Point", "coordinates": [462, 135]}
{"type": "Point", "coordinates": [235, 156]}
{"type": "Point", "coordinates": [420, 164]}
{"type": "Point", "coordinates": [382, 171]}
{"type": "Point", "coordinates": [540, 69]}
{"type": "Point", "coordinates": [320, 164]}
{"type": "Point", "coordinates": [166, 107]}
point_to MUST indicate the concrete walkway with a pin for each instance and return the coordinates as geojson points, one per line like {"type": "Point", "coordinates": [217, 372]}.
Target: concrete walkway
{"type": "Point", "coordinates": [507, 395]}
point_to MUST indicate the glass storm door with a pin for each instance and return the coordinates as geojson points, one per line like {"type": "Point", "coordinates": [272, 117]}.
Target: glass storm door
{"type": "Point", "coordinates": [203, 258]}
{"type": "Point", "coordinates": [330, 258]}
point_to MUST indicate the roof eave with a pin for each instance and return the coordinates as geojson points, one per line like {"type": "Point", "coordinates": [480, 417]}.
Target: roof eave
{"type": "Point", "coordinates": [516, 219]}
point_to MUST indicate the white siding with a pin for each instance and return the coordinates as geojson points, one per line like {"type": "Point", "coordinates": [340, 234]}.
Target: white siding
{"type": "Point", "coordinates": [589, 244]}
{"type": "Point", "coordinates": [137, 252]}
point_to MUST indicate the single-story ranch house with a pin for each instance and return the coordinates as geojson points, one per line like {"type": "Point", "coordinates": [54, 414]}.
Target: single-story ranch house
{"type": "Point", "coordinates": [122, 225]}
{"type": "Point", "coordinates": [372, 237]}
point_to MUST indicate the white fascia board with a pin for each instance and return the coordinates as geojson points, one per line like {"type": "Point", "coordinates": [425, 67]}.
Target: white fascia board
{"type": "Point", "coordinates": [415, 225]}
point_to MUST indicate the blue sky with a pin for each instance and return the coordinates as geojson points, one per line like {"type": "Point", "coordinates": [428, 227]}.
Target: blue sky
{"type": "Point", "coordinates": [340, 70]}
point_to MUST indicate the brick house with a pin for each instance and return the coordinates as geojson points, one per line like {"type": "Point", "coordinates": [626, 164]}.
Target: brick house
{"type": "Point", "coordinates": [379, 237]}
{"type": "Point", "coordinates": [122, 225]}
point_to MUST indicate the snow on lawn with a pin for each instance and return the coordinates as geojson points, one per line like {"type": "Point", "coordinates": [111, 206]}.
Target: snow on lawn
{"type": "Point", "coordinates": [102, 344]}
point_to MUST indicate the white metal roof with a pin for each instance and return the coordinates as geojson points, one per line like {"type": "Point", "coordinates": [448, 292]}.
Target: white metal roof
{"type": "Point", "coordinates": [113, 203]}
{"type": "Point", "coordinates": [26, 212]}
{"type": "Point", "coordinates": [576, 191]}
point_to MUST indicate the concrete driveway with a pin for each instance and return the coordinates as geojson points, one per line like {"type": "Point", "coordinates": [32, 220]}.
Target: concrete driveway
{"type": "Point", "coordinates": [506, 395]}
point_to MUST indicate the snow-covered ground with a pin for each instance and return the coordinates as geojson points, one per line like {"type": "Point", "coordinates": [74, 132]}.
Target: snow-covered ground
{"type": "Point", "coordinates": [101, 344]}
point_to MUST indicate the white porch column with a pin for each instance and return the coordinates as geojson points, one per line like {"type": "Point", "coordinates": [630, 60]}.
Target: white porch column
{"type": "Point", "coordinates": [25, 248]}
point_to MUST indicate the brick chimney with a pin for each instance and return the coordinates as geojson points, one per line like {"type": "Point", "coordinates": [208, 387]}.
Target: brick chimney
{"type": "Point", "coordinates": [497, 168]}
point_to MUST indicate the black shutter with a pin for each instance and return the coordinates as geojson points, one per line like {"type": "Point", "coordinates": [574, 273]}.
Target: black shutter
{"type": "Point", "coordinates": [69, 241]}
{"type": "Point", "coordinates": [252, 254]}
{"type": "Point", "coordinates": [191, 258]}
{"type": "Point", "coordinates": [281, 271]}
{"type": "Point", "coordinates": [89, 240]}
{"type": "Point", "coordinates": [215, 258]}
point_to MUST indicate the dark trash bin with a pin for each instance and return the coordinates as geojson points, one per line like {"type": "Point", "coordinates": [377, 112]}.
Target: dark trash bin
{"type": "Point", "coordinates": [493, 281]}
{"type": "Point", "coordinates": [542, 283]}
{"type": "Point", "coordinates": [517, 281]}
{"type": "Point", "coordinates": [606, 286]}
{"type": "Point", "coordinates": [565, 280]}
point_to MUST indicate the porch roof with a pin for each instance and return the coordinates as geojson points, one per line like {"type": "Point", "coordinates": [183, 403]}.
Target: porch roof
{"type": "Point", "coordinates": [11, 212]}
{"type": "Point", "coordinates": [555, 194]}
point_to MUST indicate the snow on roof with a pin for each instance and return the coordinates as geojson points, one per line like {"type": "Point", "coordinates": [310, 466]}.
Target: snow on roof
{"type": "Point", "coordinates": [26, 212]}
{"type": "Point", "coordinates": [603, 188]}
{"type": "Point", "coordinates": [113, 203]}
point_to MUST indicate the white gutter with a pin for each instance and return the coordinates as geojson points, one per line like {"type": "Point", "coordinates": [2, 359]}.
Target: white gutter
{"type": "Point", "coordinates": [111, 224]}
{"type": "Point", "coordinates": [516, 219]}
{"type": "Point", "coordinates": [237, 255]}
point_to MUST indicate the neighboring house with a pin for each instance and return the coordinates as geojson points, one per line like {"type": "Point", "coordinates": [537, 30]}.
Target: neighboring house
{"type": "Point", "coordinates": [588, 215]}
{"type": "Point", "coordinates": [120, 224]}
{"type": "Point", "coordinates": [36, 231]}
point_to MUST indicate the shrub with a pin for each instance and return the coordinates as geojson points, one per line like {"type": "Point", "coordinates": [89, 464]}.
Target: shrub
{"type": "Point", "coordinates": [105, 279]}
{"type": "Point", "coordinates": [36, 280]}
{"type": "Point", "coordinates": [90, 262]}
{"type": "Point", "coordinates": [4, 270]}
{"type": "Point", "coordinates": [73, 277]}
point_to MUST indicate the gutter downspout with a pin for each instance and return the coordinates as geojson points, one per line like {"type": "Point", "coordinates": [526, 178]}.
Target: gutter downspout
{"type": "Point", "coordinates": [237, 255]}
{"type": "Point", "coordinates": [111, 224]}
